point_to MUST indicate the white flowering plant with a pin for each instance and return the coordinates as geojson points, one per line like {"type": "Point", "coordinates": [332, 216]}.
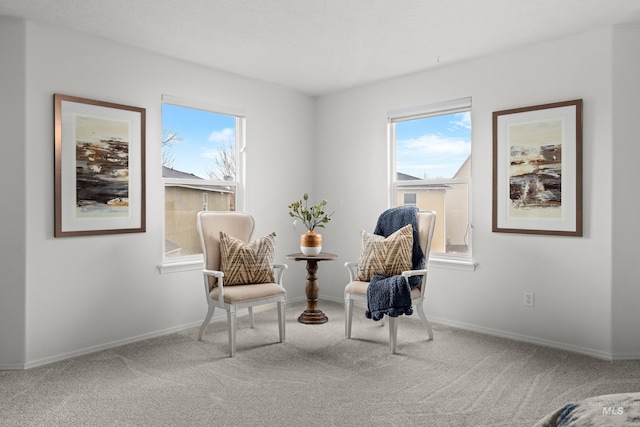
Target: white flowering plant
{"type": "Point", "coordinates": [311, 217]}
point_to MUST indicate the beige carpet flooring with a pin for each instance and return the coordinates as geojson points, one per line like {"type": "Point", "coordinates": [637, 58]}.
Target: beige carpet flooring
{"type": "Point", "coordinates": [317, 378]}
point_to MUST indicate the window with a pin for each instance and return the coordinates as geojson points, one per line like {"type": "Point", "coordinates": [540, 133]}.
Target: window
{"type": "Point", "coordinates": [410, 199]}
{"type": "Point", "coordinates": [201, 170]}
{"type": "Point", "coordinates": [430, 151]}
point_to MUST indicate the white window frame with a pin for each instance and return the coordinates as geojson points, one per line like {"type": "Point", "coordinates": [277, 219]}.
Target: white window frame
{"type": "Point", "coordinates": [446, 260]}
{"type": "Point", "coordinates": [194, 262]}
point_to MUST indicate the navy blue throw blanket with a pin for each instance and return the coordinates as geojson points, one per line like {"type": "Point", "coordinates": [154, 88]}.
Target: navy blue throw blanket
{"type": "Point", "coordinates": [390, 295]}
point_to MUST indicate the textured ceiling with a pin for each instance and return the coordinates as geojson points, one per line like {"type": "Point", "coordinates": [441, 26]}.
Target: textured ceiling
{"type": "Point", "coordinates": [323, 46]}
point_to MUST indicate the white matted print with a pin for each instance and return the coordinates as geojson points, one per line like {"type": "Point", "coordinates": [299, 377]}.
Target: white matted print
{"type": "Point", "coordinates": [537, 169]}
{"type": "Point", "coordinates": [99, 167]}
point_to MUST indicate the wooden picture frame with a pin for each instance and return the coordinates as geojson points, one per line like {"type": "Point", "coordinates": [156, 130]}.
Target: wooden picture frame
{"type": "Point", "coordinates": [99, 167]}
{"type": "Point", "coordinates": [537, 169]}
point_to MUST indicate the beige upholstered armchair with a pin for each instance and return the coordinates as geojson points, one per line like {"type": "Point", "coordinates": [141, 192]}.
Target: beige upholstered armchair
{"type": "Point", "coordinates": [356, 290]}
{"type": "Point", "coordinates": [238, 274]}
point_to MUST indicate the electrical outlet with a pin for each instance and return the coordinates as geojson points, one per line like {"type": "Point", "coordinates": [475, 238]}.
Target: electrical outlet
{"type": "Point", "coordinates": [528, 299]}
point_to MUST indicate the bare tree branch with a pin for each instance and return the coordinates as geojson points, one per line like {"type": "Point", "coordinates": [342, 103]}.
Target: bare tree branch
{"type": "Point", "coordinates": [225, 163]}
{"type": "Point", "coordinates": [169, 139]}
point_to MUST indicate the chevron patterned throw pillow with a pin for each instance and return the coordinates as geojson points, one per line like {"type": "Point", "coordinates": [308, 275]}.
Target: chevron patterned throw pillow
{"type": "Point", "coordinates": [385, 256]}
{"type": "Point", "coordinates": [246, 263]}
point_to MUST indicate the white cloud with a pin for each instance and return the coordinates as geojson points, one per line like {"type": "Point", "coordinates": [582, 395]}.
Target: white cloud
{"type": "Point", "coordinates": [224, 135]}
{"type": "Point", "coordinates": [222, 138]}
{"type": "Point", "coordinates": [433, 145]}
{"type": "Point", "coordinates": [464, 122]}
{"type": "Point", "coordinates": [208, 153]}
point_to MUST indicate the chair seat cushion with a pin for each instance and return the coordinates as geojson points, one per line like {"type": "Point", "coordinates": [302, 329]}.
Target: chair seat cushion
{"type": "Point", "coordinates": [357, 287]}
{"type": "Point", "coordinates": [241, 293]}
{"type": "Point", "coordinates": [247, 263]}
{"type": "Point", "coordinates": [360, 288]}
{"type": "Point", "coordinates": [385, 256]}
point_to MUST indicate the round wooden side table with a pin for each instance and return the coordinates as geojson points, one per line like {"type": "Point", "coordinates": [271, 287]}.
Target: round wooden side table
{"type": "Point", "coordinates": [312, 315]}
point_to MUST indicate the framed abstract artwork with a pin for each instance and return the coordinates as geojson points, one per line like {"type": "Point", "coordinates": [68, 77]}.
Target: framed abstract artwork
{"type": "Point", "coordinates": [99, 167]}
{"type": "Point", "coordinates": [537, 169]}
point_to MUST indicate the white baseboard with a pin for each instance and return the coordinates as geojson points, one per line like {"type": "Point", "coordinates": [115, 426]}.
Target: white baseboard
{"type": "Point", "coordinates": [12, 366]}
{"type": "Point", "coordinates": [626, 356]}
{"type": "Point", "coordinates": [222, 317]}
{"type": "Point", "coordinates": [328, 298]}
{"type": "Point", "coordinates": [106, 346]}
{"type": "Point", "coordinates": [219, 316]}
{"type": "Point", "coordinates": [524, 338]}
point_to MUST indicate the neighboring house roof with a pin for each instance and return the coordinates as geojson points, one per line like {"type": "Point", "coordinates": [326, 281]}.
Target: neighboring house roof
{"type": "Point", "coordinates": [172, 173]}
{"type": "Point", "coordinates": [462, 166]}
{"type": "Point", "coordinates": [405, 177]}
{"type": "Point", "coordinates": [171, 247]}
{"type": "Point", "coordinates": [176, 174]}
{"type": "Point", "coordinates": [423, 186]}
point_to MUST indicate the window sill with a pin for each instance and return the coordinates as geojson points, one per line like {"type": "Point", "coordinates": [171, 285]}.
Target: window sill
{"type": "Point", "coordinates": [176, 267]}
{"type": "Point", "coordinates": [452, 264]}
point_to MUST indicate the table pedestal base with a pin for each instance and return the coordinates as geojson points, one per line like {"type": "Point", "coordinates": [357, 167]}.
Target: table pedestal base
{"type": "Point", "coordinates": [313, 317]}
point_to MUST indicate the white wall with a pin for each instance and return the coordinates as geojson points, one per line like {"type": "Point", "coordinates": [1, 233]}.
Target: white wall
{"type": "Point", "coordinates": [87, 293]}
{"type": "Point", "coordinates": [626, 203]}
{"type": "Point", "coordinates": [571, 277]}
{"type": "Point", "coordinates": [12, 192]}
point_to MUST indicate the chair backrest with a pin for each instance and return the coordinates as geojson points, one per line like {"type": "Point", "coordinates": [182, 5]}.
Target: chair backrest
{"type": "Point", "coordinates": [210, 224]}
{"type": "Point", "coordinates": [425, 222]}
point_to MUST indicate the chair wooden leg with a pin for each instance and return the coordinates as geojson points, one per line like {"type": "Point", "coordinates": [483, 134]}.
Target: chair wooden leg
{"type": "Point", "coordinates": [251, 321]}
{"type": "Point", "coordinates": [231, 319]}
{"type": "Point", "coordinates": [393, 333]}
{"type": "Point", "coordinates": [207, 319]}
{"type": "Point", "coordinates": [425, 322]}
{"type": "Point", "coordinates": [348, 316]}
{"type": "Point", "coordinates": [281, 319]}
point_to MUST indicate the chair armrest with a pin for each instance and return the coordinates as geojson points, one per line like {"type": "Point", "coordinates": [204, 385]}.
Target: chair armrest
{"type": "Point", "coordinates": [278, 272]}
{"type": "Point", "coordinates": [219, 275]}
{"type": "Point", "coordinates": [352, 267]}
{"type": "Point", "coordinates": [214, 273]}
{"type": "Point", "coordinates": [410, 273]}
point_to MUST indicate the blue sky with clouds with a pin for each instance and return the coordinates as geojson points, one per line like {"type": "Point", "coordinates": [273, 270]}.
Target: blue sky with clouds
{"type": "Point", "coordinates": [202, 134]}
{"type": "Point", "coordinates": [433, 147]}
